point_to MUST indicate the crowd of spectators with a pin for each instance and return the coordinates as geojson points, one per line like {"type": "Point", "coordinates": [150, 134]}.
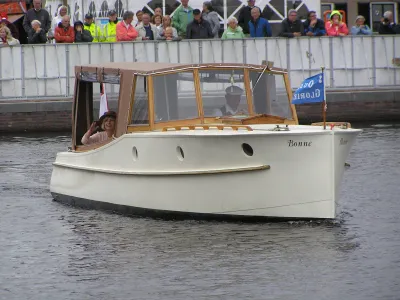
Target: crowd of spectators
{"type": "Point", "coordinates": [187, 23]}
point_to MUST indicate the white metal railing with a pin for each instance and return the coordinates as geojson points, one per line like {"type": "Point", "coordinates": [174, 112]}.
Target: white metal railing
{"type": "Point", "coordinates": [354, 62]}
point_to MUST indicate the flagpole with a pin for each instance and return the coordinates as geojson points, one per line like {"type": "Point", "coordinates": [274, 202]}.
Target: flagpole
{"type": "Point", "coordinates": [324, 102]}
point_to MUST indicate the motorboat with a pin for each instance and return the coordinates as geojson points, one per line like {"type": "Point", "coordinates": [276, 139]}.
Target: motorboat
{"type": "Point", "coordinates": [201, 141]}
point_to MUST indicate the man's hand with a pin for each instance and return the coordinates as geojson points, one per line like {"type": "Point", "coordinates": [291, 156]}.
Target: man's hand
{"type": "Point", "coordinates": [342, 34]}
{"type": "Point", "coordinates": [309, 33]}
{"type": "Point", "coordinates": [38, 29]}
{"type": "Point", "coordinates": [313, 22]}
{"type": "Point", "coordinates": [296, 34]}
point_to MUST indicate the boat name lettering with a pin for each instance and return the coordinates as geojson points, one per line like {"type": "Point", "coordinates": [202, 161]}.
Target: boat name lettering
{"type": "Point", "coordinates": [292, 143]}
{"type": "Point", "coordinates": [314, 94]}
{"type": "Point", "coordinates": [343, 141]}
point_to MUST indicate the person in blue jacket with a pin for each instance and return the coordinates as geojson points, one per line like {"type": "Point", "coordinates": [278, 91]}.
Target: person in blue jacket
{"type": "Point", "coordinates": [314, 26]}
{"type": "Point", "coordinates": [259, 27]}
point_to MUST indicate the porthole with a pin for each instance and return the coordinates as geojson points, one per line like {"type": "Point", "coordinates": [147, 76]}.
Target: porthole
{"type": "Point", "coordinates": [180, 153]}
{"type": "Point", "coordinates": [247, 149]}
{"type": "Point", "coordinates": [134, 153]}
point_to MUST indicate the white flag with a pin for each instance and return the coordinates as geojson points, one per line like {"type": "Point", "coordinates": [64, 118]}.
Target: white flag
{"type": "Point", "coordinates": [103, 100]}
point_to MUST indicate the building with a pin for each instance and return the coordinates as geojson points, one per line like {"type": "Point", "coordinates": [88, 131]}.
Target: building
{"type": "Point", "coordinates": [274, 10]}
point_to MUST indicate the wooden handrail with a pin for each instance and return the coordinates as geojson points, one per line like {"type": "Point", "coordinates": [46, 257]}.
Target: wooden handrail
{"type": "Point", "coordinates": [207, 127]}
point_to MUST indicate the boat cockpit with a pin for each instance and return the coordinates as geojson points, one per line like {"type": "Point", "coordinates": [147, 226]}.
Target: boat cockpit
{"type": "Point", "coordinates": [160, 96]}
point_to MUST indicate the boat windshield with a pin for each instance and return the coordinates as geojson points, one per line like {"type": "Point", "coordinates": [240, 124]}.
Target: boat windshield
{"type": "Point", "coordinates": [223, 93]}
{"type": "Point", "coordinates": [269, 95]}
{"type": "Point", "coordinates": [174, 97]}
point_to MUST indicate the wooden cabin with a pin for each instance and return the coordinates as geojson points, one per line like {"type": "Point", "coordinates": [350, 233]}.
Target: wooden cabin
{"type": "Point", "coordinates": [160, 96]}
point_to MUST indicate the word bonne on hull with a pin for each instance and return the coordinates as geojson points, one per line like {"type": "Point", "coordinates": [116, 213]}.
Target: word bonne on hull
{"type": "Point", "coordinates": [292, 143]}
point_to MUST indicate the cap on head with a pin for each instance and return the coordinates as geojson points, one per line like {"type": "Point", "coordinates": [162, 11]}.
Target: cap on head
{"type": "Point", "coordinates": [360, 17]}
{"type": "Point", "coordinates": [88, 16]}
{"type": "Point", "coordinates": [234, 90]}
{"type": "Point", "coordinates": [112, 12]}
{"type": "Point", "coordinates": [196, 12]}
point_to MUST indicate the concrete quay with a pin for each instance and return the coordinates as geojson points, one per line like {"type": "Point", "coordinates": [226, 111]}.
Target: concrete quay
{"type": "Point", "coordinates": [367, 105]}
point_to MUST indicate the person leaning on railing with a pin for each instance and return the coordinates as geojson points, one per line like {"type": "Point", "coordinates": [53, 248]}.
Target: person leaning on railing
{"type": "Point", "coordinates": [37, 35]}
{"type": "Point", "coordinates": [360, 28]}
{"type": "Point", "coordinates": [37, 13]}
{"type": "Point", "coordinates": [81, 35]}
{"type": "Point", "coordinates": [166, 22]}
{"type": "Point", "coordinates": [388, 26]}
{"type": "Point", "coordinates": [125, 30]}
{"type": "Point", "coordinates": [146, 30]}
{"type": "Point", "coordinates": [233, 30]}
{"type": "Point", "coordinates": [110, 29]}
{"type": "Point", "coordinates": [259, 27]}
{"type": "Point", "coordinates": [291, 26]}
{"type": "Point", "coordinates": [64, 32]}
{"type": "Point", "coordinates": [6, 37]}
{"type": "Point", "coordinates": [93, 28]}
{"type": "Point", "coordinates": [314, 26]}
{"type": "Point", "coordinates": [211, 17]}
{"type": "Point", "coordinates": [198, 28]}
{"type": "Point", "coordinates": [335, 26]}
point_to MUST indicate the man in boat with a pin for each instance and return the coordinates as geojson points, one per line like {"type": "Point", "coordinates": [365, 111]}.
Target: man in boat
{"type": "Point", "coordinates": [233, 95]}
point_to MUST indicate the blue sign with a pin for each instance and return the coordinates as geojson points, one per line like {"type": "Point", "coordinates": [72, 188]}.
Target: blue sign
{"type": "Point", "coordinates": [312, 90]}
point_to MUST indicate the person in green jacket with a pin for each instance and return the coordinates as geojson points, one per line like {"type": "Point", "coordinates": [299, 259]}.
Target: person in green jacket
{"type": "Point", "coordinates": [110, 29]}
{"type": "Point", "coordinates": [233, 31]}
{"type": "Point", "coordinates": [95, 31]}
{"type": "Point", "coordinates": [183, 15]}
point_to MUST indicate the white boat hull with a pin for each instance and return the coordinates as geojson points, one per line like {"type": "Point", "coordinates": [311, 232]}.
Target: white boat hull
{"type": "Point", "coordinates": [292, 174]}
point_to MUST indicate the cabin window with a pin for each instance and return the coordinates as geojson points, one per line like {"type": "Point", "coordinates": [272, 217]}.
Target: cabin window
{"type": "Point", "coordinates": [215, 86]}
{"type": "Point", "coordinates": [269, 95]}
{"type": "Point", "coordinates": [140, 111]}
{"type": "Point", "coordinates": [174, 97]}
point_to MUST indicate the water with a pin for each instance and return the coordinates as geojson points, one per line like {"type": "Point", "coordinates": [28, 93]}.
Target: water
{"type": "Point", "coordinates": [51, 251]}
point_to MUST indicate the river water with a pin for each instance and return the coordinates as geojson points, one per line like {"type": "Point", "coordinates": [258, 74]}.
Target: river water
{"type": "Point", "coordinates": [52, 251]}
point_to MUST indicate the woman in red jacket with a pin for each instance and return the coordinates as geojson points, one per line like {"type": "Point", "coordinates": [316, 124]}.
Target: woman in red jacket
{"type": "Point", "coordinates": [64, 32]}
{"type": "Point", "coordinates": [335, 26]}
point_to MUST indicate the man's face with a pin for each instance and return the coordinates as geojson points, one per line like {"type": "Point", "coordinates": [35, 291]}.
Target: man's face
{"type": "Point", "coordinates": [65, 22]}
{"type": "Point", "coordinates": [185, 2]}
{"type": "Point", "coordinates": [35, 26]}
{"type": "Point", "coordinates": [255, 13]}
{"type": "Point", "coordinates": [313, 16]}
{"type": "Point", "coordinates": [139, 17]}
{"type": "Point", "coordinates": [292, 17]}
{"type": "Point", "coordinates": [146, 19]}
{"type": "Point", "coordinates": [89, 21]}
{"type": "Point", "coordinates": [197, 17]}
{"type": "Point", "coordinates": [113, 17]}
{"type": "Point", "coordinates": [158, 11]}
{"type": "Point", "coordinates": [251, 3]}
{"type": "Point", "coordinates": [233, 100]}
{"type": "Point", "coordinates": [37, 4]}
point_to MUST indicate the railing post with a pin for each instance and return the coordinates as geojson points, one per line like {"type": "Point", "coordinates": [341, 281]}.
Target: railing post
{"type": "Point", "coordinates": [331, 71]}
{"type": "Point", "coordinates": [45, 70]}
{"type": "Point", "coordinates": [373, 63]}
{"type": "Point", "coordinates": [67, 70]}
{"type": "Point", "coordinates": [200, 52]}
{"type": "Point", "coordinates": [22, 71]}
{"type": "Point", "coordinates": [244, 49]}
{"type": "Point", "coordinates": [352, 61]}
{"type": "Point", "coordinates": [266, 49]}
{"type": "Point", "coordinates": [287, 57]}
{"type": "Point", "coordinates": [156, 51]}
{"type": "Point", "coordinates": [1, 73]}
{"type": "Point", "coordinates": [394, 55]}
